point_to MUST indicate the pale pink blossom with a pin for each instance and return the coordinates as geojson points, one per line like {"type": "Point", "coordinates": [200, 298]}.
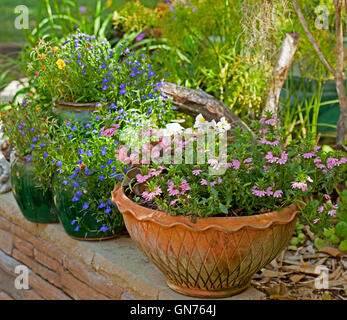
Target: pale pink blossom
{"type": "Point", "coordinates": [316, 220]}
{"type": "Point", "coordinates": [150, 195]}
{"type": "Point", "coordinates": [203, 182]}
{"type": "Point", "coordinates": [278, 194]}
{"type": "Point", "coordinates": [196, 172]}
{"type": "Point", "coordinates": [299, 185]}
{"type": "Point", "coordinates": [109, 132]}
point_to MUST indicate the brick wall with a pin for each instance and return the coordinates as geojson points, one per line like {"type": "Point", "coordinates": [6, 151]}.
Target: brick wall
{"type": "Point", "coordinates": [53, 274]}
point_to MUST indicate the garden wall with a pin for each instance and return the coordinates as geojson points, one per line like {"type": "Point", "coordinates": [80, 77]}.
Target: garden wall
{"type": "Point", "coordinates": [64, 268]}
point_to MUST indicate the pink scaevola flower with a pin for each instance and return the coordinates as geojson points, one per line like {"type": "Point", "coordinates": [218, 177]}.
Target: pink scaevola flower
{"type": "Point", "coordinates": [141, 179]}
{"type": "Point", "coordinates": [278, 194]}
{"type": "Point", "coordinates": [320, 209]}
{"type": "Point", "coordinates": [109, 132]}
{"type": "Point", "coordinates": [150, 195]}
{"type": "Point", "coordinates": [316, 220]}
{"type": "Point", "coordinates": [283, 159]}
{"type": "Point", "coordinates": [257, 192]}
{"type": "Point", "coordinates": [203, 182]}
{"type": "Point", "coordinates": [196, 172]}
{"type": "Point", "coordinates": [332, 162]}
{"type": "Point", "coordinates": [299, 185]}
{"type": "Point", "coordinates": [309, 155]}
{"type": "Point", "coordinates": [213, 183]}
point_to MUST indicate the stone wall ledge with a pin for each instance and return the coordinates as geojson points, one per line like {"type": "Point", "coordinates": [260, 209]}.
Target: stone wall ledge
{"type": "Point", "coordinates": [112, 269]}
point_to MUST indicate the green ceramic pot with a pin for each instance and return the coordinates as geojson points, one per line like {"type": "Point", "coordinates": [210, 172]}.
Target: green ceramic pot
{"type": "Point", "coordinates": [67, 209]}
{"type": "Point", "coordinates": [35, 203]}
{"type": "Point", "coordinates": [80, 112]}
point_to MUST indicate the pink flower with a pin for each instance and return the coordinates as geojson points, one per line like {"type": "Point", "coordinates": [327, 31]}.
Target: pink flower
{"type": "Point", "coordinates": [214, 164]}
{"type": "Point", "coordinates": [342, 161]}
{"type": "Point", "coordinates": [332, 162]}
{"type": "Point", "coordinates": [213, 183]}
{"type": "Point", "coordinates": [332, 212]}
{"type": "Point", "coordinates": [316, 220]}
{"type": "Point", "coordinates": [141, 179]}
{"type": "Point", "coordinates": [150, 195]}
{"type": "Point", "coordinates": [269, 191]}
{"type": "Point", "coordinates": [173, 202]}
{"type": "Point", "coordinates": [317, 162]}
{"type": "Point", "coordinates": [109, 132]}
{"type": "Point", "coordinates": [184, 186]}
{"type": "Point", "coordinates": [196, 172]}
{"type": "Point", "coordinates": [235, 164]}
{"type": "Point", "coordinates": [258, 193]}
{"type": "Point", "coordinates": [270, 157]}
{"type": "Point", "coordinates": [203, 182]}
{"type": "Point", "coordinates": [171, 189]}
{"type": "Point", "coordinates": [320, 209]}
{"type": "Point", "coordinates": [283, 159]}
{"type": "Point", "coordinates": [248, 160]}
{"type": "Point", "coordinates": [220, 180]}
{"type": "Point", "coordinates": [278, 194]}
{"type": "Point", "coordinates": [299, 185]}
{"type": "Point", "coordinates": [326, 196]}
{"type": "Point", "coordinates": [308, 155]}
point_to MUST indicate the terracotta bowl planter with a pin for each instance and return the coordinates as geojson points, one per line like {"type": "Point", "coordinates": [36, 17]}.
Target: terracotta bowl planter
{"type": "Point", "coordinates": [212, 258]}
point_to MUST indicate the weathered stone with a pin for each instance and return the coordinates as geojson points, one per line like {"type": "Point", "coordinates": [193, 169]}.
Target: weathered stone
{"type": "Point", "coordinates": [5, 184]}
{"type": "Point", "coordinates": [5, 224]}
{"type": "Point", "coordinates": [79, 290]}
{"type": "Point", "coordinates": [4, 296]}
{"type": "Point", "coordinates": [46, 260]}
{"type": "Point", "coordinates": [127, 296]}
{"type": "Point", "coordinates": [6, 241]}
{"type": "Point", "coordinates": [24, 246]}
{"type": "Point", "coordinates": [46, 290]}
{"type": "Point", "coordinates": [93, 280]}
{"type": "Point", "coordinates": [42, 271]}
{"type": "Point", "coordinates": [32, 295]}
{"type": "Point", "coordinates": [7, 94]}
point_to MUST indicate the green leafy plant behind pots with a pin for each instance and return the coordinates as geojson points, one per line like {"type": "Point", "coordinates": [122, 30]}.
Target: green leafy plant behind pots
{"type": "Point", "coordinates": [35, 203]}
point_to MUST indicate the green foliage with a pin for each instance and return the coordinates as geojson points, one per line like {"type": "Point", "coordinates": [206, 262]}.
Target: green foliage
{"type": "Point", "coordinates": [199, 45]}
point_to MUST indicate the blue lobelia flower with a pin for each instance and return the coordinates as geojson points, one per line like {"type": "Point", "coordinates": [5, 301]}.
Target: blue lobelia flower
{"type": "Point", "coordinates": [75, 184]}
{"type": "Point", "coordinates": [101, 178]}
{"type": "Point", "coordinates": [103, 228]}
{"type": "Point", "coordinates": [77, 228]}
{"type": "Point", "coordinates": [103, 151]}
{"type": "Point", "coordinates": [59, 163]}
{"type": "Point", "coordinates": [86, 206]}
{"type": "Point", "coordinates": [73, 221]}
{"type": "Point", "coordinates": [102, 205]}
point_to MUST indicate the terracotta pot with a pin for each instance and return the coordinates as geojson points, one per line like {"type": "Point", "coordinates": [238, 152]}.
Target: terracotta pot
{"type": "Point", "coordinates": [212, 258]}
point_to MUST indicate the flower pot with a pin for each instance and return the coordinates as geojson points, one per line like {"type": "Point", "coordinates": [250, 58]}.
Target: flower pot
{"type": "Point", "coordinates": [212, 258]}
{"type": "Point", "coordinates": [68, 210]}
{"type": "Point", "coordinates": [76, 111]}
{"type": "Point", "coordinates": [35, 203]}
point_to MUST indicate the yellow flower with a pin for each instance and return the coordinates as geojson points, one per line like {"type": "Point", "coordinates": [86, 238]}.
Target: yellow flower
{"type": "Point", "coordinates": [55, 49]}
{"type": "Point", "coordinates": [61, 64]}
{"type": "Point", "coordinates": [108, 3]}
{"type": "Point", "coordinates": [37, 108]}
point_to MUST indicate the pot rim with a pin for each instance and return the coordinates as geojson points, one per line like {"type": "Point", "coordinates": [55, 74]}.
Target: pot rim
{"type": "Point", "coordinates": [227, 224]}
{"type": "Point", "coordinates": [75, 106]}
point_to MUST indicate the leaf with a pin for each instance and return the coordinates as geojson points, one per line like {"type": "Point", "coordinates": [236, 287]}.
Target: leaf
{"type": "Point", "coordinates": [343, 245]}
{"type": "Point", "coordinates": [341, 229]}
{"type": "Point", "coordinates": [331, 251]}
{"type": "Point", "coordinates": [320, 243]}
{"type": "Point", "coordinates": [223, 208]}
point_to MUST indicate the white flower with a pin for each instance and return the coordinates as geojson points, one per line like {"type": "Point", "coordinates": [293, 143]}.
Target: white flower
{"type": "Point", "coordinates": [201, 124]}
{"type": "Point", "coordinates": [223, 125]}
{"type": "Point", "coordinates": [173, 128]}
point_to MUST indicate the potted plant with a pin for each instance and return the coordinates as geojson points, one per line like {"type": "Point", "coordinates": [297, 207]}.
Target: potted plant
{"type": "Point", "coordinates": [81, 150]}
{"type": "Point", "coordinates": [210, 226]}
{"type": "Point", "coordinates": [28, 128]}
{"type": "Point", "coordinates": [83, 71]}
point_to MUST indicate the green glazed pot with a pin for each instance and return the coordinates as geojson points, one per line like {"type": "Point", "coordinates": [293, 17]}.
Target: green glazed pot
{"type": "Point", "coordinates": [80, 112]}
{"type": "Point", "coordinates": [35, 203]}
{"type": "Point", "coordinates": [67, 210]}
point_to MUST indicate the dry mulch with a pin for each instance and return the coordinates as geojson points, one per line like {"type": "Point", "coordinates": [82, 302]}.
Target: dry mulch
{"type": "Point", "coordinates": [294, 275]}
